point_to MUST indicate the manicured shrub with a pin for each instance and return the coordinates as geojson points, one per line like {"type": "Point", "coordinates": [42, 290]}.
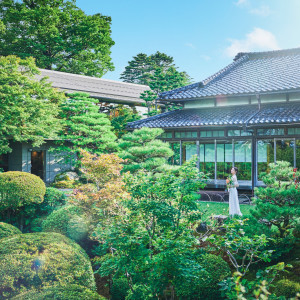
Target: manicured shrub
{"type": "Point", "coordinates": [35, 260]}
{"type": "Point", "coordinates": [20, 188]}
{"type": "Point", "coordinates": [119, 289]}
{"type": "Point", "coordinates": [215, 269]}
{"type": "Point", "coordinates": [69, 292]}
{"type": "Point", "coordinates": [7, 230]}
{"type": "Point", "coordinates": [286, 288]}
{"type": "Point", "coordinates": [53, 199]}
{"type": "Point", "coordinates": [66, 180]}
{"type": "Point", "coordinates": [68, 221]}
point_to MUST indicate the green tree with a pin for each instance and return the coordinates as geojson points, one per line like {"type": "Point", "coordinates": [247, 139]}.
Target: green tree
{"type": "Point", "coordinates": [161, 81]}
{"type": "Point", "coordinates": [85, 128]}
{"type": "Point", "coordinates": [58, 34]}
{"type": "Point", "coordinates": [142, 150]}
{"type": "Point", "coordinates": [153, 245]}
{"type": "Point", "coordinates": [120, 116]}
{"type": "Point", "coordinates": [142, 65]}
{"type": "Point", "coordinates": [29, 108]}
{"type": "Point", "coordinates": [159, 72]}
{"type": "Point", "coordinates": [277, 204]}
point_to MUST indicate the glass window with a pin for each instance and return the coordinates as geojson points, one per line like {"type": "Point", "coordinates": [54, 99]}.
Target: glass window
{"type": "Point", "coordinates": [166, 135]}
{"type": "Point", "coordinates": [212, 133]}
{"type": "Point", "coordinates": [186, 134]}
{"type": "Point", "coordinates": [189, 149]}
{"type": "Point", "coordinates": [265, 155]}
{"type": "Point", "coordinates": [175, 159]}
{"type": "Point", "coordinates": [242, 159]}
{"type": "Point", "coordinates": [285, 151]}
{"type": "Point", "coordinates": [293, 130]}
{"type": "Point", "coordinates": [224, 159]}
{"type": "Point", "coordinates": [270, 131]}
{"type": "Point", "coordinates": [207, 159]}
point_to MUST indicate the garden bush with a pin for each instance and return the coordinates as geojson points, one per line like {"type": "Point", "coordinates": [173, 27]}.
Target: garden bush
{"type": "Point", "coordinates": [69, 292]}
{"type": "Point", "coordinates": [68, 221]}
{"type": "Point", "coordinates": [7, 230]}
{"type": "Point", "coordinates": [53, 199]}
{"type": "Point", "coordinates": [215, 269]}
{"type": "Point", "coordinates": [20, 188]}
{"type": "Point", "coordinates": [286, 288]}
{"type": "Point", "coordinates": [35, 260]}
{"type": "Point", "coordinates": [119, 289]}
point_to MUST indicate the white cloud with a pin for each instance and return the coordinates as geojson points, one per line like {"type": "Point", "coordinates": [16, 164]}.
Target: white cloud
{"type": "Point", "coordinates": [257, 40]}
{"type": "Point", "coordinates": [205, 57]}
{"type": "Point", "coordinates": [190, 45]}
{"type": "Point", "coordinates": [241, 2]}
{"type": "Point", "coordinates": [262, 11]}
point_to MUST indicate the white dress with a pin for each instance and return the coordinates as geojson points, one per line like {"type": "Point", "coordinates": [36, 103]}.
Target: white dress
{"type": "Point", "coordinates": [234, 205]}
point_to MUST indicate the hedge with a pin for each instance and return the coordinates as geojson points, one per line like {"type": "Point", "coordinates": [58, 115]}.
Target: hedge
{"type": "Point", "coordinates": [7, 230]}
{"type": "Point", "coordinates": [68, 221]}
{"type": "Point", "coordinates": [286, 288]}
{"type": "Point", "coordinates": [69, 292]}
{"type": "Point", "coordinates": [34, 260]}
{"type": "Point", "coordinates": [20, 188]}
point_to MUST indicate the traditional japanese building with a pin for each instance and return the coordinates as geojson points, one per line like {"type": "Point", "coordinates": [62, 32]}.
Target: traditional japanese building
{"type": "Point", "coordinates": [109, 93]}
{"type": "Point", "coordinates": [246, 115]}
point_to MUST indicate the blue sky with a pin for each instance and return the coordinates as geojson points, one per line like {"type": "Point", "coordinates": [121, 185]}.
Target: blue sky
{"type": "Point", "coordinates": [203, 36]}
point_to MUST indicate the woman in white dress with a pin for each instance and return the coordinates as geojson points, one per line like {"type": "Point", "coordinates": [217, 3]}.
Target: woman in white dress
{"type": "Point", "coordinates": [234, 205]}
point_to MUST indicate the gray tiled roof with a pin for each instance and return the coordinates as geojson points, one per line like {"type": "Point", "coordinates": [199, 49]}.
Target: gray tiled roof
{"type": "Point", "coordinates": [276, 113]}
{"type": "Point", "coordinates": [108, 90]}
{"type": "Point", "coordinates": [250, 73]}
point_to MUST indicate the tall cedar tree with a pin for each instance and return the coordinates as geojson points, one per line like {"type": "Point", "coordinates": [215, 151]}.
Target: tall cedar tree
{"type": "Point", "coordinates": [143, 151]}
{"type": "Point", "coordinates": [278, 204]}
{"type": "Point", "coordinates": [85, 128]}
{"type": "Point", "coordinates": [29, 108]}
{"type": "Point", "coordinates": [58, 34]}
{"type": "Point", "coordinates": [159, 72]}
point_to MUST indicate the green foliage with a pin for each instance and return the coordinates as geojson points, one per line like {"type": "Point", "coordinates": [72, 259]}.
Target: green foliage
{"type": "Point", "coordinates": [151, 240]}
{"type": "Point", "coordinates": [18, 189]}
{"type": "Point", "coordinates": [142, 66]}
{"type": "Point", "coordinates": [7, 230]}
{"type": "Point", "coordinates": [143, 151]}
{"type": "Point", "coordinates": [54, 199]}
{"type": "Point", "coordinates": [242, 250]}
{"type": "Point", "coordinates": [205, 286]}
{"type": "Point", "coordinates": [69, 221]}
{"type": "Point", "coordinates": [29, 107]}
{"type": "Point", "coordinates": [287, 288]}
{"type": "Point", "coordinates": [85, 127]}
{"type": "Point", "coordinates": [36, 260]}
{"type": "Point", "coordinates": [58, 34]}
{"type": "Point", "coordinates": [159, 72]}
{"type": "Point", "coordinates": [119, 289]}
{"type": "Point", "coordinates": [69, 292]}
{"type": "Point", "coordinates": [277, 204]}
{"type": "Point", "coordinates": [120, 116]}
{"type": "Point", "coordinates": [237, 287]}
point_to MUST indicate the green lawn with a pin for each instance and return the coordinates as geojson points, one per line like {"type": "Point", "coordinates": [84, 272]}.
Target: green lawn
{"type": "Point", "coordinates": [216, 208]}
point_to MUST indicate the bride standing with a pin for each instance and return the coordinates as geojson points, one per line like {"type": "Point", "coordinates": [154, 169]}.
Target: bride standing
{"type": "Point", "coordinates": [234, 205]}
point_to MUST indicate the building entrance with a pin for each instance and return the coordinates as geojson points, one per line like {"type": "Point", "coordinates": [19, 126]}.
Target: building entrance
{"type": "Point", "coordinates": [37, 163]}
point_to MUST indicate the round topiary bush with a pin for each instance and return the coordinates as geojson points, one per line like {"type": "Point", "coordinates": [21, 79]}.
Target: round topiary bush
{"type": "Point", "coordinates": [69, 292]}
{"type": "Point", "coordinates": [35, 260]}
{"type": "Point", "coordinates": [215, 269]}
{"type": "Point", "coordinates": [68, 221]}
{"type": "Point", "coordinates": [286, 288]}
{"type": "Point", "coordinates": [7, 230]}
{"type": "Point", "coordinates": [20, 188]}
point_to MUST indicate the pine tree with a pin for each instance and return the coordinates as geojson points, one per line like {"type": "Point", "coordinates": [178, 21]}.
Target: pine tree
{"type": "Point", "coordinates": [277, 204]}
{"type": "Point", "coordinates": [85, 127]}
{"type": "Point", "coordinates": [143, 150]}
